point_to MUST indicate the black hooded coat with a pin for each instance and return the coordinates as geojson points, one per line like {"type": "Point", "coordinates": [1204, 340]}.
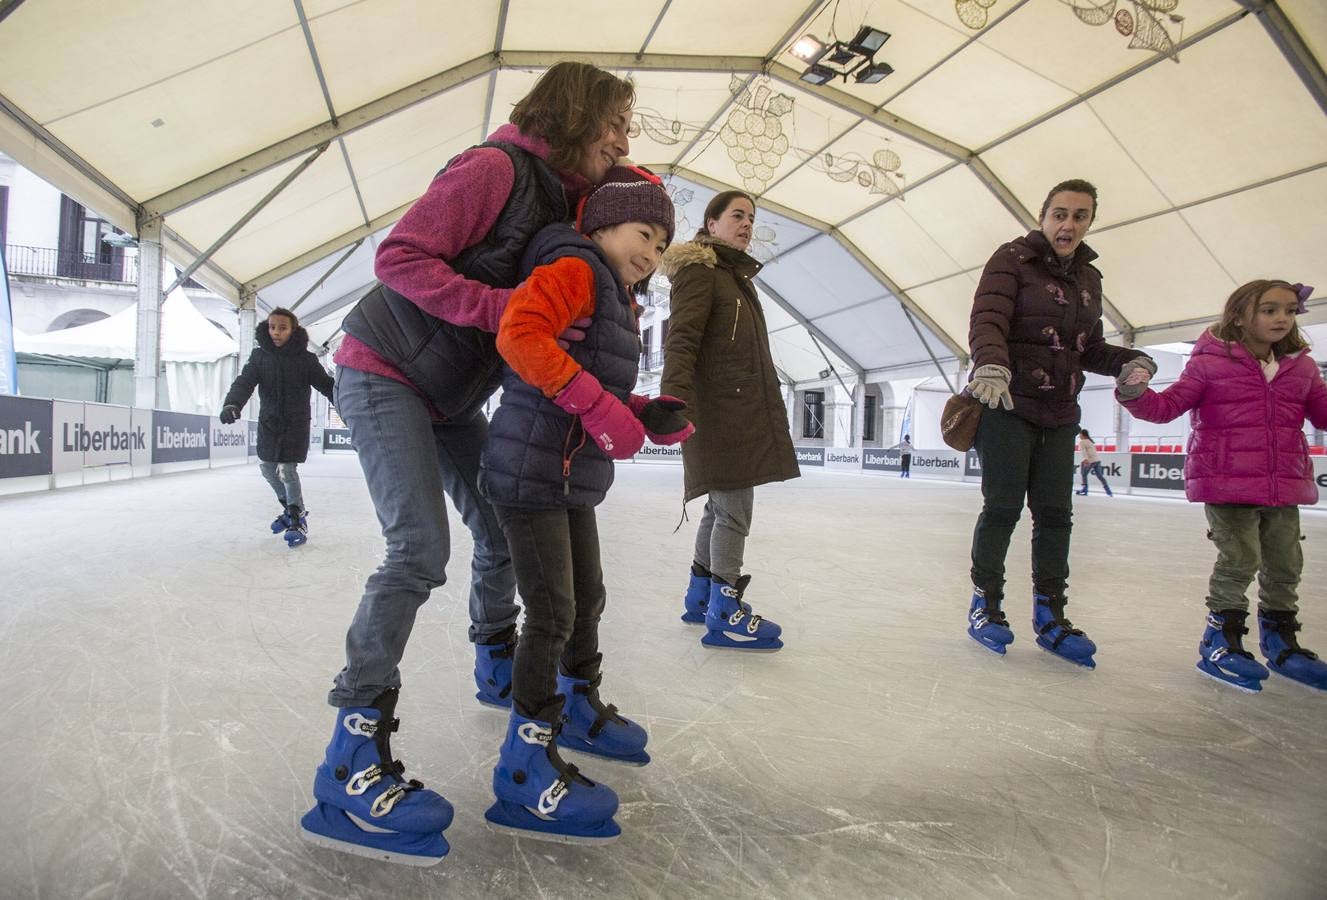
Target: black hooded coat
{"type": "Point", "coordinates": [283, 376]}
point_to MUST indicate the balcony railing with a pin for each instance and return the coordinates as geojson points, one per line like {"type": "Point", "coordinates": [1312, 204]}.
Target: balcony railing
{"type": "Point", "coordinates": [49, 262]}
{"type": "Point", "coordinates": [651, 361]}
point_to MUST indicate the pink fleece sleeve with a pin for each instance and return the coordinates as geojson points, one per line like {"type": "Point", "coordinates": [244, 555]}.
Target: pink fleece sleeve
{"type": "Point", "coordinates": [456, 211]}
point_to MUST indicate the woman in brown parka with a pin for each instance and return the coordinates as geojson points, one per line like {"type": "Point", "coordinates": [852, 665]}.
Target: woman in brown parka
{"type": "Point", "coordinates": [1035, 328]}
{"type": "Point", "coordinates": [717, 359]}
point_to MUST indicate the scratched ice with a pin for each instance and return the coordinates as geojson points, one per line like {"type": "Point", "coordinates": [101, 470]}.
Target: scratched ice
{"type": "Point", "coordinates": [166, 660]}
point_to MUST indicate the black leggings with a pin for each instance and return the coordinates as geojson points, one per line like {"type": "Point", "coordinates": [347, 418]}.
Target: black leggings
{"type": "Point", "coordinates": [1020, 461]}
{"type": "Point", "coordinates": [555, 553]}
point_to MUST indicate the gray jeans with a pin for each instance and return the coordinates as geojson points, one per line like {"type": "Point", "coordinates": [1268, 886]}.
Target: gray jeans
{"type": "Point", "coordinates": [721, 539]}
{"type": "Point", "coordinates": [284, 479]}
{"type": "Point", "coordinates": [1255, 540]}
{"type": "Point", "coordinates": [409, 462]}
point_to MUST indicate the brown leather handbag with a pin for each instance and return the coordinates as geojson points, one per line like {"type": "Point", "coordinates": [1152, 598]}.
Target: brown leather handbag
{"type": "Point", "coordinates": [958, 422]}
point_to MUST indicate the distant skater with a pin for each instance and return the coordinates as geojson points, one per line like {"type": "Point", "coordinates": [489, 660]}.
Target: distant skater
{"type": "Point", "coordinates": [1091, 464]}
{"type": "Point", "coordinates": [284, 371]}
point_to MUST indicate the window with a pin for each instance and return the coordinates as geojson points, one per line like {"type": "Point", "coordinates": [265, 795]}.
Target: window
{"type": "Point", "coordinates": [83, 252]}
{"type": "Point", "coordinates": [868, 418]}
{"type": "Point", "coordinates": [813, 414]}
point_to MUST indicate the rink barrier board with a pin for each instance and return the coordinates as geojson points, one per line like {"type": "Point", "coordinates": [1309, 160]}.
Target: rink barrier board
{"type": "Point", "coordinates": [51, 444]}
{"type": "Point", "coordinates": [47, 444]}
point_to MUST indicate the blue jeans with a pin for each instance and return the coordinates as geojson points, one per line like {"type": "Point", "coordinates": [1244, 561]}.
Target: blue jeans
{"type": "Point", "coordinates": [409, 461]}
{"type": "Point", "coordinates": [284, 479]}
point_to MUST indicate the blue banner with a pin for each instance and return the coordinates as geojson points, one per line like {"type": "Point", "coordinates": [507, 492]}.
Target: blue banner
{"type": "Point", "coordinates": [905, 427]}
{"type": "Point", "coordinates": [8, 359]}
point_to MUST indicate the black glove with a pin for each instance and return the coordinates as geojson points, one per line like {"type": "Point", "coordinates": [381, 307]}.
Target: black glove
{"type": "Point", "coordinates": [662, 416]}
{"type": "Point", "coordinates": [229, 414]}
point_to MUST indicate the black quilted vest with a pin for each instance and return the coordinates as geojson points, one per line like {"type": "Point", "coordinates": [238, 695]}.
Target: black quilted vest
{"type": "Point", "coordinates": [456, 367]}
{"type": "Point", "coordinates": [537, 456]}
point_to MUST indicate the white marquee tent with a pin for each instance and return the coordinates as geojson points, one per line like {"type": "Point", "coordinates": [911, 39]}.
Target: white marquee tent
{"type": "Point", "coordinates": [200, 361]}
{"type": "Point", "coordinates": [1201, 121]}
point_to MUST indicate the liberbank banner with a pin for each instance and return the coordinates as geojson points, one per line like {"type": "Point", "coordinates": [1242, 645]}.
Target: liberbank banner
{"type": "Point", "coordinates": [95, 435]}
{"type": "Point", "coordinates": [179, 437]}
{"type": "Point", "coordinates": [25, 437]}
{"type": "Point", "coordinates": [947, 464]}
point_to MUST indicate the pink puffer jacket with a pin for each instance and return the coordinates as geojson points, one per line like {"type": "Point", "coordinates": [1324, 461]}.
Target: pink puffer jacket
{"type": "Point", "coordinates": [1248, 443]}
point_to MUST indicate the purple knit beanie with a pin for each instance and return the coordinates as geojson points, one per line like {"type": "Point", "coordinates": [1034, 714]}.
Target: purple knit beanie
{"type": "Point", "coordinates": [627, 194]}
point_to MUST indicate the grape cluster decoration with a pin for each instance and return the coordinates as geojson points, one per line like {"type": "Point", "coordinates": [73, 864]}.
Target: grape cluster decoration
{"type": "Point", "coordinates": [754, 133]}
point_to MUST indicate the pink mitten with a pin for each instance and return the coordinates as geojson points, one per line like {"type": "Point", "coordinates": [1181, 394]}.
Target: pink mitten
{"type": "Point", "coordinates": [607, 419]}
{"type": "Point", "coordinates": [662, 418]}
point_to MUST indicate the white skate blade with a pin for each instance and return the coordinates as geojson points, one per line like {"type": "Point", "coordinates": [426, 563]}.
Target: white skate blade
{"type": "Point", "coordinates": [1303, 684]}
{"type": "Point", "coordinates": [1230, 684]}
{"type": "Point", "coordinates": [614, 760]}
{"type": "Point", "coordinates": [548, 837]}
{"type": "Point", "coordinates": [401, 859]}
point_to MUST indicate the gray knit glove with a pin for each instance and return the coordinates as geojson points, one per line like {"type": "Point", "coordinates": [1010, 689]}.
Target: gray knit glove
{"type": "Point", "coordinates": [990, 385]}
{"type": "Point", "coordinates": [1134, 376]}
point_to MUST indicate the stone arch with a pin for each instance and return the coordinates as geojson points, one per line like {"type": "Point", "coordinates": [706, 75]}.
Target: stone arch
{"type": "Point", "coordinates": [75, 317]}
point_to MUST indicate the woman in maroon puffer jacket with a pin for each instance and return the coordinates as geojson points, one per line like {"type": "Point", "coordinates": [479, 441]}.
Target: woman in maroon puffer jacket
{"type": "Point", "coordinates": [1035, 328]}
{"type": "Point", "coordinates": [1250, 384]}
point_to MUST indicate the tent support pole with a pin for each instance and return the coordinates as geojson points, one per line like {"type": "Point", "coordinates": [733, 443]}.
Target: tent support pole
{"type": "Point", "coordinates": [147, 335]}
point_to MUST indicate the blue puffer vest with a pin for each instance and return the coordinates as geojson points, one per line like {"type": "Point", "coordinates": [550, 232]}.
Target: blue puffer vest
{"type": "Point", "coordinates": [537, 456]}
{"type": "Point", "coordinates": [458, 368]}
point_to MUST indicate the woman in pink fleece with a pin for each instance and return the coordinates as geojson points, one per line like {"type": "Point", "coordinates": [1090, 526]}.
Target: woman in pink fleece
{"type": "Point", "coordinates": [1250, 384]}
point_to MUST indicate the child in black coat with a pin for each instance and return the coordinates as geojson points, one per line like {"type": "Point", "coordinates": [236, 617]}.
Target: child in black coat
{"type": "Point", "coordinates": [284, 371]}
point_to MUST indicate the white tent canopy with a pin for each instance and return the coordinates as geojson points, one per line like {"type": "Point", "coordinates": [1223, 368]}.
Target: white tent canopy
{"type": "Point", "coordinates": [1201, 121]}
{"type": "Point", "coordinates": [186, 336]}
{"type": "Point", "coordinates": [199, 361]}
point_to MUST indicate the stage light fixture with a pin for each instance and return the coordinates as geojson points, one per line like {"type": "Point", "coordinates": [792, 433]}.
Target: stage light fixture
{"type": "Point", "coordinates": [843, 58]}
{"type": "Point", "coordinates": [817, 74]}
{"type": "Point", "coordinates": [808, 48]}
{"type": "Point", "coordinates": [868, 40]}
{"type": "Point", "coordinates": [874, 73]}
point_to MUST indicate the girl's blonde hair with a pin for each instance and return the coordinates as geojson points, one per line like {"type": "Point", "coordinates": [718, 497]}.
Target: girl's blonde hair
{"type": "Point", "coordinates": [1239, 310]}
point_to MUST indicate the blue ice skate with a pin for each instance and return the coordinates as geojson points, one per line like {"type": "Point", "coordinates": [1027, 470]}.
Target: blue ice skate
{"type": "Point", "coordinates": [1284, 655]}
{"type": "Point", "coordinates": [363, 805]}
{"type": "Point", "coordinates": [1057, 635]}
{"type": "Point", "coordinates": [1221, 653]}
{"type": "Point", "coordinates": [493, 672]}
{"type": "Point", "coordinates": [987, 624]}
{"type": "Point", "coordinates": [280, 523]}
{"type": "Point", "coordinates": [539, 795]}
{"type": "Point", "coordinates": [697, 596]}
{"type": "Point", "coordinates": [729, 623]}
{"type": "Point", "coordinates": [588, 726]}
{"type": "Point", "coordinates": [297, 526]}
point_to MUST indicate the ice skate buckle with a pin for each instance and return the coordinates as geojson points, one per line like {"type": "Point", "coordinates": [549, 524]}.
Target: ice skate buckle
{"type": "Point", "coordinates": [552, 796]}
{"type": "Point", "coordinates": [362, 781]}
{"type": "Point", "coordinates": [387, 799]}
{"type": "Point", "coordinates": [360, 725]}
{"type": "Point", "coordinates": [531, 733]}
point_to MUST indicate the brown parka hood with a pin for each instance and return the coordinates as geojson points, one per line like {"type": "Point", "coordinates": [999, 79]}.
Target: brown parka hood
{"type": "Point", "coordinates": [705, 250]}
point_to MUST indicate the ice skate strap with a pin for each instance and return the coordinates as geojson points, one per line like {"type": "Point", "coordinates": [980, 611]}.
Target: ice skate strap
{"type": "Point", "coordinates": [1066, 628]}
{"type": "Point", "coordinates": [568, 774]}
{"type": "Point", "coordinates": [604, 714]}
{"type": "Point", "coordinates": [1286, 631]}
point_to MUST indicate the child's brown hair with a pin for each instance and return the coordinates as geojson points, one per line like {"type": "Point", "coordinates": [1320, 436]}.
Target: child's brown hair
{"type": "Point", "coordinates": [1240, 307]}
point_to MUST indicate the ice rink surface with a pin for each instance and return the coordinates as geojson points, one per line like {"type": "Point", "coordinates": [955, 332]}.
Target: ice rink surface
{"type": "Point", "coordinates": [166, 660]}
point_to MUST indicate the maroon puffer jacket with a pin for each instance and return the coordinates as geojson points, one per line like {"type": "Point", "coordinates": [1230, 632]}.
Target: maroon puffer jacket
{"type": "Point", "coordinates": [1248, 443]}
{"type": "Point", "coordinates": [1044, 326]}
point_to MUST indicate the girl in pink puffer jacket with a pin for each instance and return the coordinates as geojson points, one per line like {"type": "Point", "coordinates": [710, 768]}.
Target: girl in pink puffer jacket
{"type": "Point", "coordinates": [1250, 384]}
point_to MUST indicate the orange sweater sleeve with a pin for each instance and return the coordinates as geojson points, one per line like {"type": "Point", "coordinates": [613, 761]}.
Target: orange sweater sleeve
{"type": "Point", "coordinates": [539, 310]}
